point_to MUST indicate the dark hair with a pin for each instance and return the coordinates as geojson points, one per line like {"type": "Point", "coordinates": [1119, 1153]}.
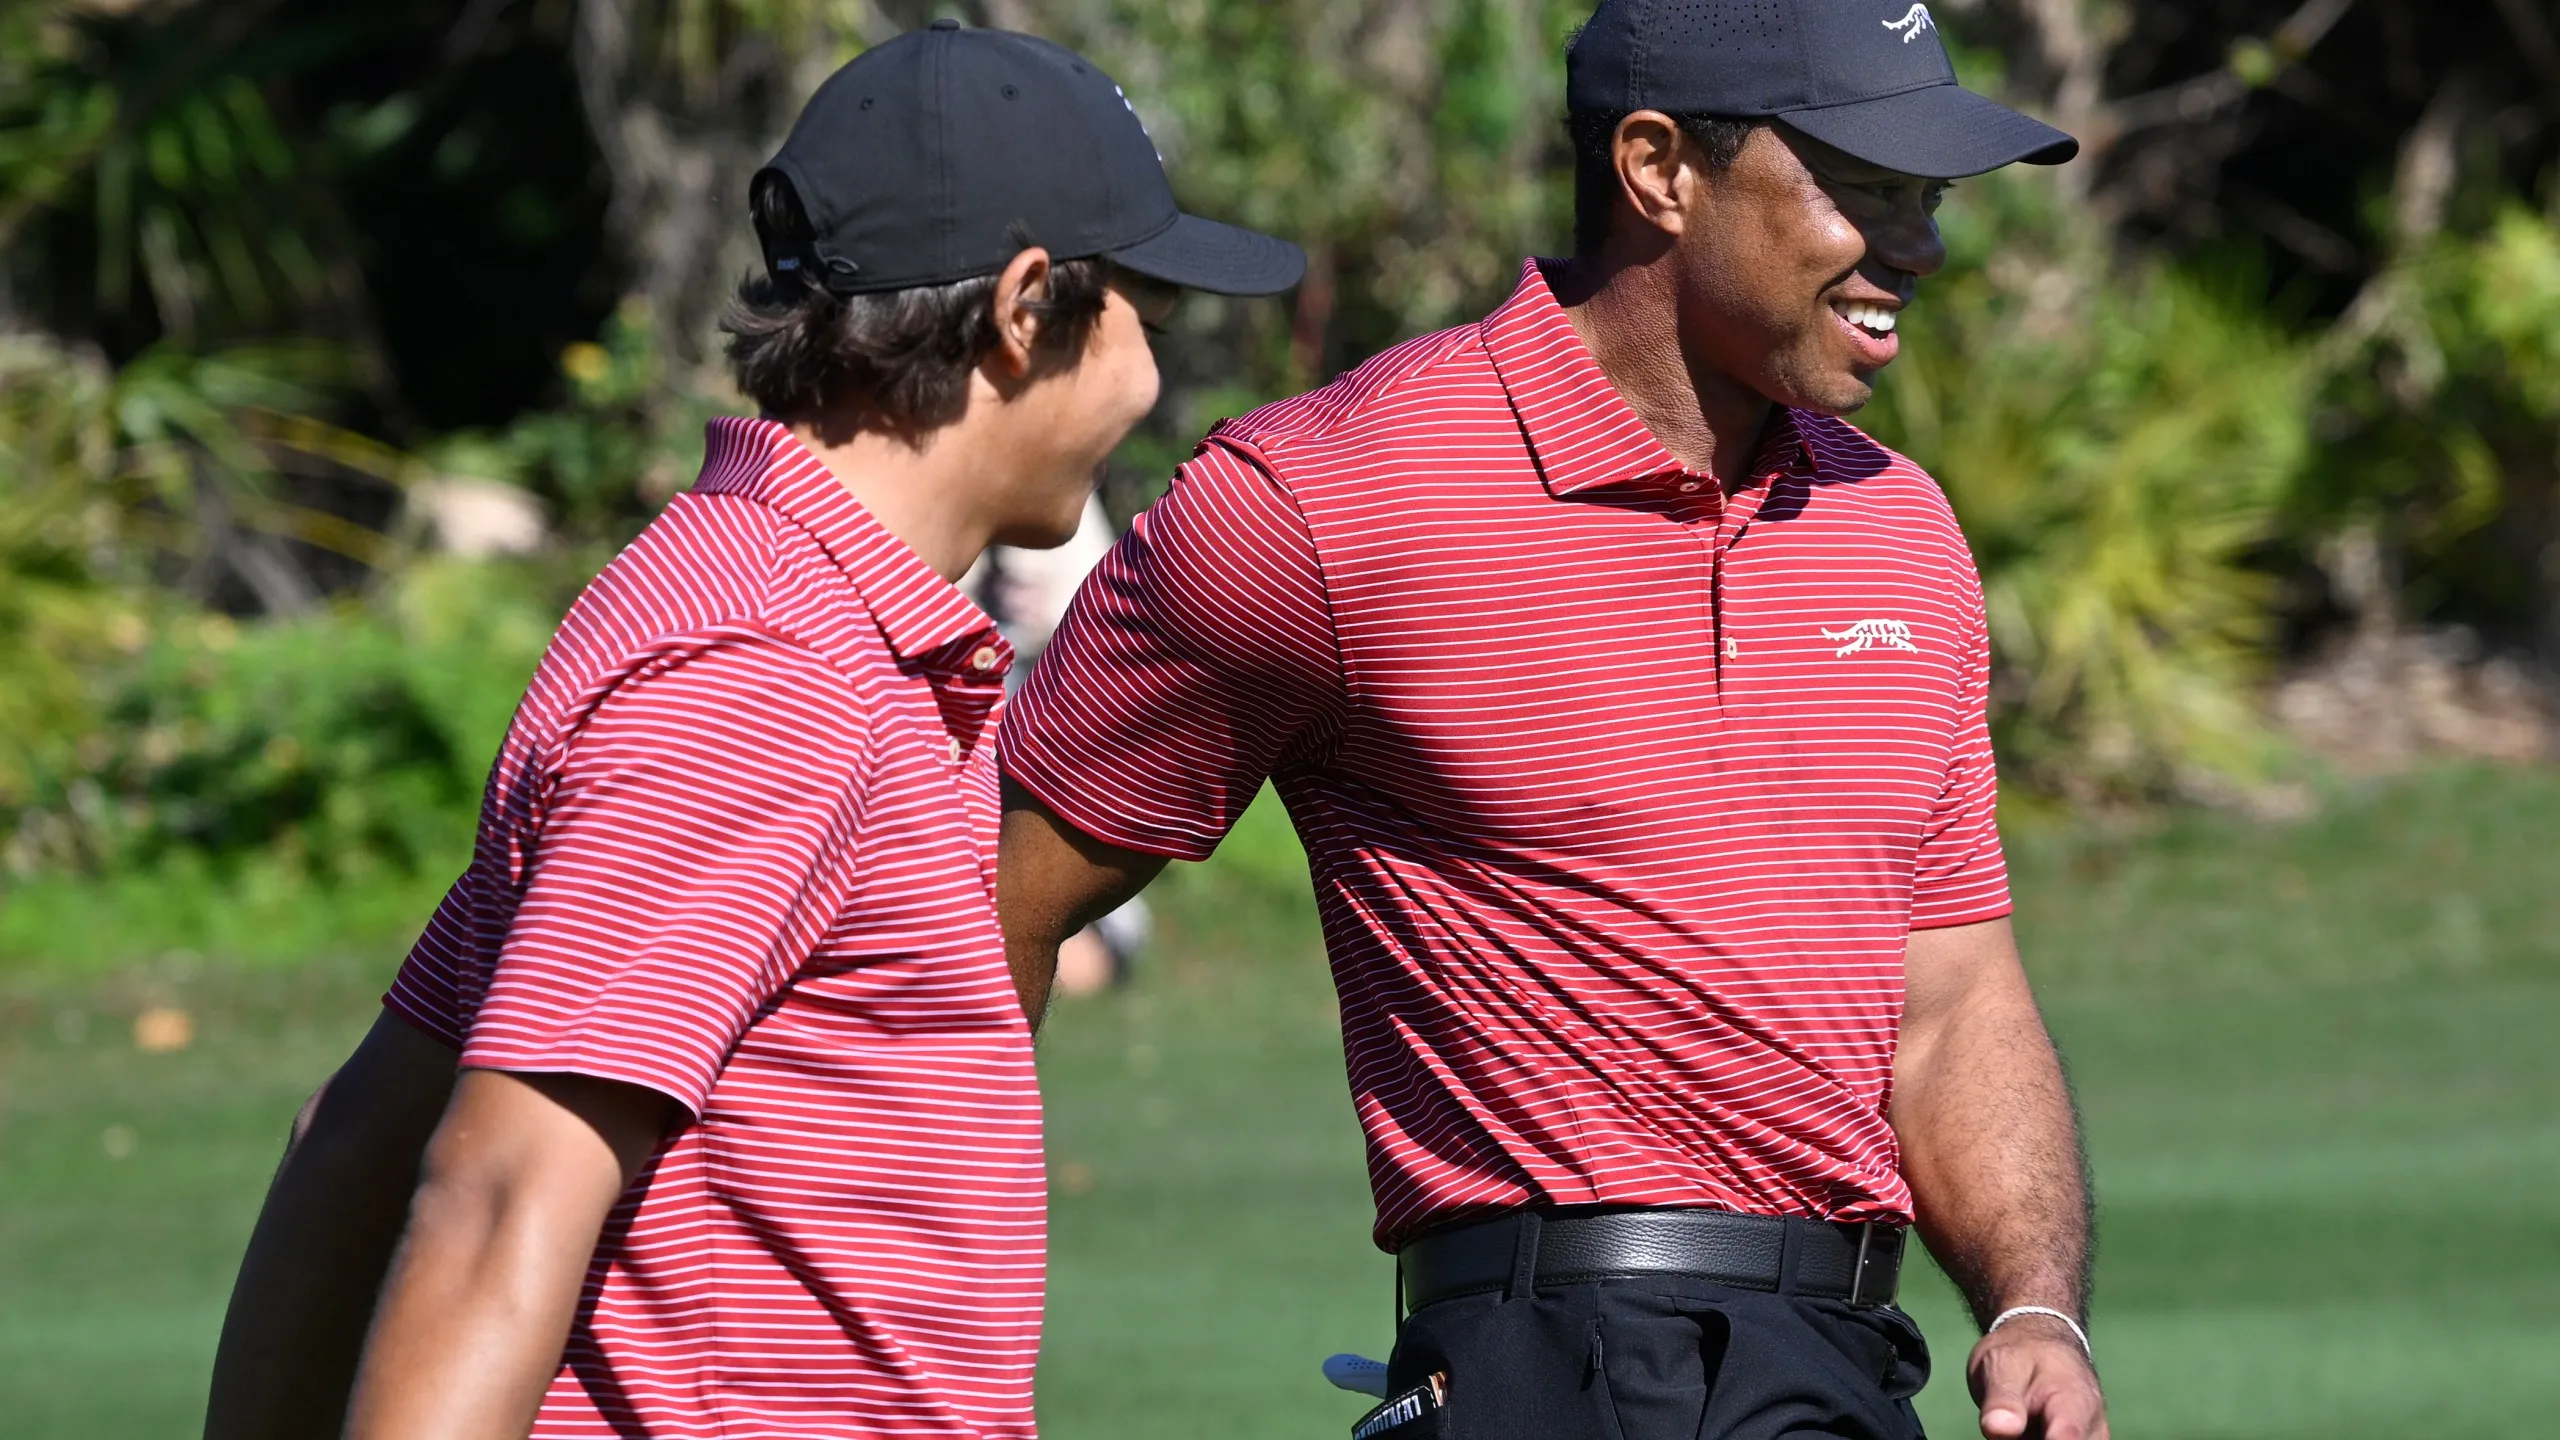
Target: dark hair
{"type": "Point", "coordinates": [902, 357]}
{"type": "Point", "coordinates": [1595, 167]}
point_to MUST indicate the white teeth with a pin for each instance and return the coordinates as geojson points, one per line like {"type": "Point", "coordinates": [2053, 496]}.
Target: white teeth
{"type": "Point", "coordinates": [1867, 317]}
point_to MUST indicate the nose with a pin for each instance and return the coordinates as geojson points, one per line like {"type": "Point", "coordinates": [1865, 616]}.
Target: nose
{"type": "Point", "coordinates": [1908, 241]}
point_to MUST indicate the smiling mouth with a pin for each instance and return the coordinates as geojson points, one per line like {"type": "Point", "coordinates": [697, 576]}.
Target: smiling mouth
{"type": "Point", "coordinates": [1876, 320]}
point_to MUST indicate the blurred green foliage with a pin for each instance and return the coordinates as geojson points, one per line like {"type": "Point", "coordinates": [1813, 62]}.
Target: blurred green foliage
{"type": "Point", "coordinates": [170, 156]}
{"type": "Point", "coordinates": [336, 743]}
{"type": "Point", "coordinates": [2118, 443]}
{"type": "Point", "coordinates": [118, 487]}
{"type": "Point", "coordinates": [623, 442]}
{"type": "Point", "coordinates": [233, 650]}
{"type": "Point", "coordinates": [2442, 412]}
{"type": "Point", "coordinates": [54, 618]}
{"type": "Point", "coordinates": [1411, 149]}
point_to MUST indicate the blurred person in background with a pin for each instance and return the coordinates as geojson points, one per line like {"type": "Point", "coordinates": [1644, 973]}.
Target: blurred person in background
{"type": "Point", "coordinates": [1632, 708]}
{"type": "Point", "coordinates": [1027, 592]}
{"type": "Point", "coordinates": [705, 1105]}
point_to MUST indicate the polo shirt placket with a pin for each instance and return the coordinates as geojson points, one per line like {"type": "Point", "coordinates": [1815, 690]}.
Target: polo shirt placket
{"type": "Point", "coordinates": [1555, 399]}
{"type": "Point", "coordinates": [1621, 798]}
{"type": "Point", "coordinates": [738, 848]}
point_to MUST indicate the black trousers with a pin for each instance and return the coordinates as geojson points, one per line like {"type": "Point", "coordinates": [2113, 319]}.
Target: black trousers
{"type": "Point", "coordinates": [1663, 1359]}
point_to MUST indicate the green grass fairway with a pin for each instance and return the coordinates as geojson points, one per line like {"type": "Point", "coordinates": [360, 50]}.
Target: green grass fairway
{"type": "Point", "coordinates": [128, 1181]}
{"type": "Point", "coordinates": [2316, 1063]}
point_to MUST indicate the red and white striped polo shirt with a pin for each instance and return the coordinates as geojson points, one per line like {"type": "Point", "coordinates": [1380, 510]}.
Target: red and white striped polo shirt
{"type": "Point", "coordinates": [1622, 797]}
{"type": "Point", "coordinates": [738, 848]}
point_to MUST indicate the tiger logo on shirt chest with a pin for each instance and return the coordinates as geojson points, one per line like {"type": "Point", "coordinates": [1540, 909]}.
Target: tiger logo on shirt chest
{"type": "Point", "coordinates": [1867, 634]}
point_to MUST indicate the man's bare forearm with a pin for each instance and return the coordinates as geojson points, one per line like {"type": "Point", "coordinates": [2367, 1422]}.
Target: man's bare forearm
{"type": "Point", "coordinates": [1991, 1150]}
{"type": "Point", "coordinates": [514, 1192]}
{"type": "Point", "coordinates": [1990, 1146]}
{"type": "Point", "coordinates": [1052, 880]}
{"type": "Point", "coordinates": [324, 1240]}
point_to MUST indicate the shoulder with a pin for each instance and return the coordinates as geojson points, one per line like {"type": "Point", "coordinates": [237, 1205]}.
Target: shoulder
{"type": "Point", "coordinates": [740, 696]}
{"type": "Point", "coordinates": [707, 557]}
{"type": "Point", "coordinates": [747, 663]}
{"type": "Point", "coordinates": [1882, 476]}
{"type": "Point", "coordinates": [1844, 451]}
{"type": "Point", "coordinates": [1377, 403]}
{"type": "Point", "coordinates": [1890, 493]}
{"type": "Point", "coordinates": [707, 560]}
{"type": "Point", "coordinates": [699, 613]}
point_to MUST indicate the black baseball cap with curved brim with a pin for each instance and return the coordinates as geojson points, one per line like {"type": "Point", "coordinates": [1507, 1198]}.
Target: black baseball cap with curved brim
{"type": "Point", "coordinates": [1870, 78]}
{"type": "Point", "coordinates": [939, 155]}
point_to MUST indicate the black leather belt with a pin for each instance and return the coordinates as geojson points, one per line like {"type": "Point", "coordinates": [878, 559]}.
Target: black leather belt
{"type": "Point", "coordinates": [1859, 1263]}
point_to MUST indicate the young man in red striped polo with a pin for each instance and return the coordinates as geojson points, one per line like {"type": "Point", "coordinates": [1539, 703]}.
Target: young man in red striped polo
{"type": "Point", "coordinates": [744, 1137]}
{"type": "Point", "coordinates": [1631, 706]}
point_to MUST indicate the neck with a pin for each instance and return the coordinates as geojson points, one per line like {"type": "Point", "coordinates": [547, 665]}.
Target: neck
{"type": "Point", "coordinates": [923, 491]}
{"type": "Point", "coordinates": [1628, 314]}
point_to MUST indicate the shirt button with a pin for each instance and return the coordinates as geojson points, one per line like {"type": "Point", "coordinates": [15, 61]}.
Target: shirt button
{"type": "Point", "coordinates": [955, 750]}
{"type": "Point", "coordinates": [984, 659]}
{"type": "Point", "coordinates": [1732, 648]}
{"type": "Point", "coordinates": [1688, 487]}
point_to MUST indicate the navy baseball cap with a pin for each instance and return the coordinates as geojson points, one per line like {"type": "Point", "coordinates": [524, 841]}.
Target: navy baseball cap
{"type": "Point", "coordinates": [924, 160]}
{"type": "Point", "coordinates": [1868, 77]}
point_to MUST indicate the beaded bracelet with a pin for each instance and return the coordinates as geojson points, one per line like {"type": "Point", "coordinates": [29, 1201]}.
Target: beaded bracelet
{"type": "Point", "coordinates": [2014, 1311]}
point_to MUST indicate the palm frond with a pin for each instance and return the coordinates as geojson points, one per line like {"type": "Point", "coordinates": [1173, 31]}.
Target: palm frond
{"type": "Point", "coordinates": [2117, 450]}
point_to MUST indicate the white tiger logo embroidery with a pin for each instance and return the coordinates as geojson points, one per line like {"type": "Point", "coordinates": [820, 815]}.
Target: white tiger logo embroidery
{"type": "Point", "coordinates": [1867, 634]}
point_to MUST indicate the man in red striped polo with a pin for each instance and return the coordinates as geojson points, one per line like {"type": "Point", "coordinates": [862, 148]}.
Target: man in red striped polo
{"type": "Point", "coordinates": [705, 1105]}
{"type": "Point", "coordinates": [1631, 706]}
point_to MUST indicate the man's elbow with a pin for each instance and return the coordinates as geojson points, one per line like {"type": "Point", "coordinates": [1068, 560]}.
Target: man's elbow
{"type": "Point", "coordinates": [366, 1124]}
{"type": "Point", "coordinates": [463, 1209]}
{"type": "Point", "coordinates": [303, 1118]}
{"type": "Point", "coordinates": [518, 1178]}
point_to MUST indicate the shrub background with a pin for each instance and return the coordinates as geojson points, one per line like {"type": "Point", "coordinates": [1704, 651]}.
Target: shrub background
{"type": "Point", "coordinates": [2276, 363]}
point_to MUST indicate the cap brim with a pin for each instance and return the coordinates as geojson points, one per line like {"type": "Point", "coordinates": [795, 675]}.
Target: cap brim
{"type": "Point", "coordinates": [1940, 132]}
{"type": "Point", "coordinates": [1202, 254]}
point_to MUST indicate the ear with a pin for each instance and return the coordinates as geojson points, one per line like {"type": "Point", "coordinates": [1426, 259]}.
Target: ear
{"type": "Point", "coordinates": [1023, 283]}
{"type": "Point", "coordinates": [1658, 169]}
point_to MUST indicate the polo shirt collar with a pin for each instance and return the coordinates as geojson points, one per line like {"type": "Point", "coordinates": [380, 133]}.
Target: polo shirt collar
{"type": "Point", "coordinates": [1581, 431]}
{"type": "Point", "coordinates": [918, 611]}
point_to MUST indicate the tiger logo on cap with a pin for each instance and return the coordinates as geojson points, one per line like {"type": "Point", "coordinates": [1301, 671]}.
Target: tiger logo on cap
{"type": "Point", "coordinates": [1913, 21]}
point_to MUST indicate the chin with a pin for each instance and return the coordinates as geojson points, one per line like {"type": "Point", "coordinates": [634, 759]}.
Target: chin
{"type": "Point", "coordinates": [1846, 395]}
{"type": "Point", "coordinates": [1850, 400]}
{"type": "Point", "coordinates": [1042, 535]}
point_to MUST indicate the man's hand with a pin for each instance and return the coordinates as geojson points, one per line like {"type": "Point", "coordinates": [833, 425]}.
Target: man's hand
{"type": "Point", "coordinates": [516, 1186]}
{"type": "Point", "coordinates": [1993, 1158]}
{"type": "Point", "coordinates": [2033, 1382]}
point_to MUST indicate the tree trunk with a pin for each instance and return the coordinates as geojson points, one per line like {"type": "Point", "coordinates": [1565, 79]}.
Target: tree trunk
{"type": "Point", "coordinates": [681, 138]}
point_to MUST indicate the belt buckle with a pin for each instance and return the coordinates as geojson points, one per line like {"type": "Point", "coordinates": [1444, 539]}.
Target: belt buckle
{"type": "Point", "coordinates": [1874, 1260]}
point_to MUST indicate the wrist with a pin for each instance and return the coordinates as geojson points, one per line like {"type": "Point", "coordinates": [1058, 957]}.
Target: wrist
{"type": "Point", "coordinates": [2046, 1313]}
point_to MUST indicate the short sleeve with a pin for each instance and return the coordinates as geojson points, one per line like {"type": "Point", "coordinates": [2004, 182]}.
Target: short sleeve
{"type": "Point", "coordinates": [696, 843]}
{"type": "Point", "coordinates": [442, 970]}
{"type": "Point", "coordinates": [1198, 657]}
{"type": "Point", "coordinates": [428, 991]}
{"type": "Point", "coordinates": [1962, 877]}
